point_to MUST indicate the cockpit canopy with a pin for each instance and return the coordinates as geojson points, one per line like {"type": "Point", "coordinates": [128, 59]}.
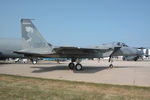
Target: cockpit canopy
{"type": "Point", "coordinates": [120, 44]}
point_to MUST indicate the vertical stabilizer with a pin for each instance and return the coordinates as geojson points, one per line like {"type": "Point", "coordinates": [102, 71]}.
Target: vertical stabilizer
{"type": "Point", "coordinates": [31, 37]}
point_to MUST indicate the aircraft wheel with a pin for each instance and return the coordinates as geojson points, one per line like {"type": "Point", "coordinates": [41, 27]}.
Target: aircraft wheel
{"type": "Point", "coordinates": [111, 66]}
{"type": "Point", "coordinates": [34, 62]}
{"type": "Point", "coordinates": [71, 65]}
{"type": "Point", "coordinates": [78, 67]}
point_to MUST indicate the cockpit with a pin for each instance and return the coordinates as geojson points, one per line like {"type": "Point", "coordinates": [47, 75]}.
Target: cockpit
{"type": "Point", "coordinates": [120, 44]}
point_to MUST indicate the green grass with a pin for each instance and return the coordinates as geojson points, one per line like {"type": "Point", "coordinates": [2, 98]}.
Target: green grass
{"type": "Point", "coordinates": [29, 88]}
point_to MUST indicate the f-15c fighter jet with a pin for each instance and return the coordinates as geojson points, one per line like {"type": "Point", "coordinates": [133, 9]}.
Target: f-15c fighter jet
{"type": "Point", "coordinates": [34, 45]}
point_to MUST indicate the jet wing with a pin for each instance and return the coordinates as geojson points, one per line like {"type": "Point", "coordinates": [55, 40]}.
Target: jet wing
{"type": "Point", "coordinates": [78, 50]}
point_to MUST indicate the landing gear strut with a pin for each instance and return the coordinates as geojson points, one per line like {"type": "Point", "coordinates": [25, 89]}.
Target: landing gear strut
{"type": "Point", "coordinates": [77, 67]}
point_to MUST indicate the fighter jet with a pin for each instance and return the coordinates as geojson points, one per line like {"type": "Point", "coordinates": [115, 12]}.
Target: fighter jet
{"type": "Point", "coordinates": [34, 45]}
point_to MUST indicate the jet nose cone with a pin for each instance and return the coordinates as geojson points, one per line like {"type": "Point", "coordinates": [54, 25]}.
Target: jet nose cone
{"type": "Point", "coordinates": [130, 51]}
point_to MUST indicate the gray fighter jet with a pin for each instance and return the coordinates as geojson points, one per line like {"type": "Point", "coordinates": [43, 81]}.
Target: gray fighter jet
{"type": "Point", "coordinates": [34, 45]}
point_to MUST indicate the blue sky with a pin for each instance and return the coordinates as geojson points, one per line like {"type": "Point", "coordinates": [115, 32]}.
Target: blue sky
{"type": "Point", "coordinates": [80, 22]}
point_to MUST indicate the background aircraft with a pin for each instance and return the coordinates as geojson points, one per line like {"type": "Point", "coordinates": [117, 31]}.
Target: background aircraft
{"type": "Point", "coordinates": [145, 54]}
{"type": "Point", "coordinates": [34, 45]}
{"type": "Point", "coordinates": [9, 45]}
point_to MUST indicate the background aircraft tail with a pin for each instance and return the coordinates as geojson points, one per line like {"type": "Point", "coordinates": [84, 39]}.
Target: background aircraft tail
{"type": "Point", "coordinates": [32, 39]}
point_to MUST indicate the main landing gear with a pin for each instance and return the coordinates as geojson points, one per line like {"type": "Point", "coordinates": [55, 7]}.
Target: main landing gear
{"type": "Point", "coordinates": [76, 66]}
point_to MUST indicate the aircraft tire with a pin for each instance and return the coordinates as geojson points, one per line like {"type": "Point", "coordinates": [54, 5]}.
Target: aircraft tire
{"type": "Point", "coordinates": [78, 67]}
{"type": "Point", "coordinates": [111, 66]}
{"type": "Point", "coordinates": [34, 62]}
{"type": "Point", "coordinates": [71, 65]}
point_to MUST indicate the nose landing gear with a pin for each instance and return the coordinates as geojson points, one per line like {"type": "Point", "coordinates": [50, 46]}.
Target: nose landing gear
{"type": "Point", "coordinates": [111, 66]}
{"type": "Point", "coordinates": [111, 60]}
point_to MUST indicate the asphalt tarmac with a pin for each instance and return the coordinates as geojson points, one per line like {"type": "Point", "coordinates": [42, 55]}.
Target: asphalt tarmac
{"type": "Point", "coordinates": [123, 73]}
